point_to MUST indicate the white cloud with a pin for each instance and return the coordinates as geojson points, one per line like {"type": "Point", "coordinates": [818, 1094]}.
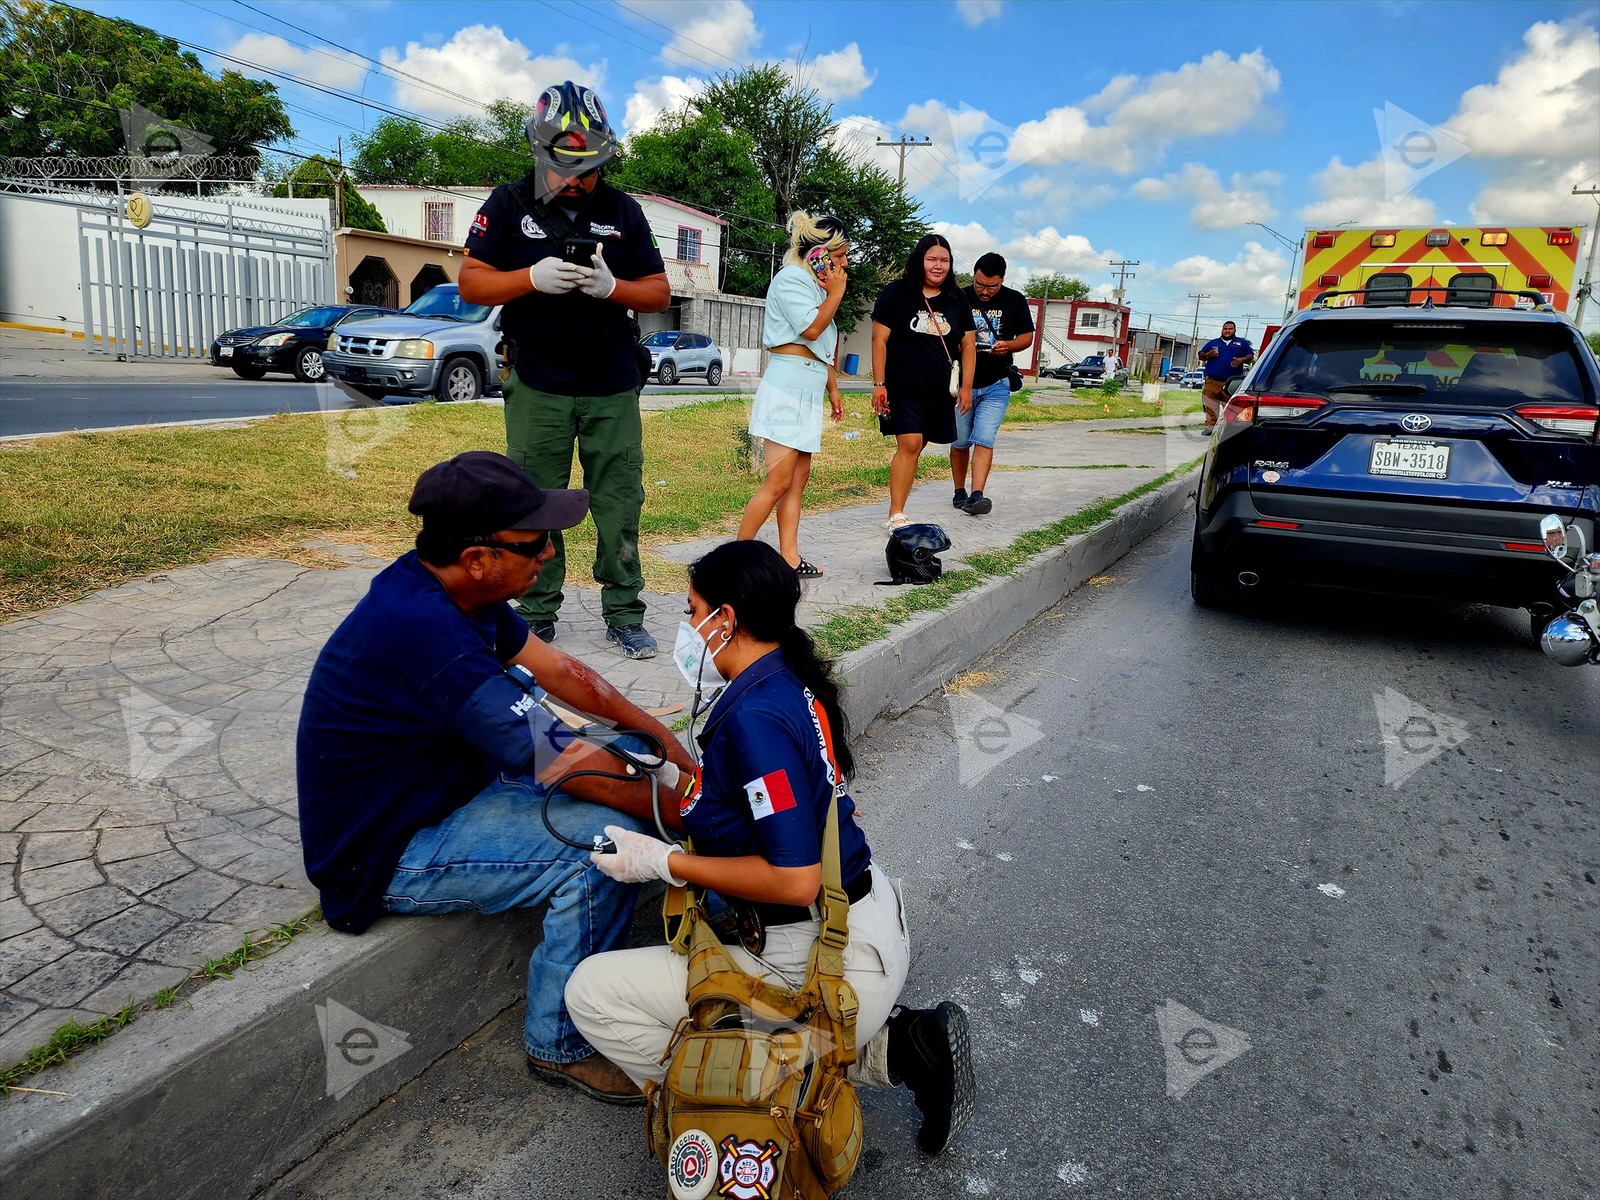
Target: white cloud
{"type": "Point", "coordinates": [1142, 118]}
{"type": "Point", "coordinates": [1216, 207]}
{"type": "Point", "coordinates": [1257, 277]}
{"type": "Point", "coordinates": [481, 62]}
{"type": "Point", "coordinates": [1537, 191]}
{"type": "Point", "coordinates": [976, 12]}
{"type": "Point", "coordinates": [706, 34]}
{"type": "Point", "coordinates": [652, 98]}
{"type": "Point", "coordinates": [1358, 195]}
{"type": "Point", "coordinates": [1049, 250]}
{"type": "Point", "coordinates": [968, 241]}
{"type": "Point", "coordinates": [837, 75]}
{"type": "Point", "coordinates": [335, 68]}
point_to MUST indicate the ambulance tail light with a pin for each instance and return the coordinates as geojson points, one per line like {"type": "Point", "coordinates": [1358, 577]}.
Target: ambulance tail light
{"type": "Point", "coordinates": [1560, 418]}
{"type": "Point", "coordinates": [1379, 241]}
{"type": "Point", "coordinates": [1561, 237]}
{"type": "Point", "coordinates": [1327, 281]}
{"type": "Point", "coordinates": [1540, 281]}
{"type": "Point", "coordinates": [1495, 239]}
{"type": "Point", "coordinates": [1324, 241]}
{"type": "Point", "coordinates": [1437, 239]}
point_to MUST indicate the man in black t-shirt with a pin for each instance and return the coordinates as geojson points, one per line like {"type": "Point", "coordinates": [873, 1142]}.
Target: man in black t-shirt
{"type": "Point", "coordinates": [1004, 325]}
{"type": "Point", "coordinates": [569, 255]}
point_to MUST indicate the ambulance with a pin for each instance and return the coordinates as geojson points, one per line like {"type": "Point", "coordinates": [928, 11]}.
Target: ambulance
{"type": "Point", "coordinates": [1459, 265]}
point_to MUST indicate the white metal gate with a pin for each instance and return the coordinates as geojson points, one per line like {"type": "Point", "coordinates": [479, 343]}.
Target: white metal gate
{"type": "Point", "coordinates": [168, 289]}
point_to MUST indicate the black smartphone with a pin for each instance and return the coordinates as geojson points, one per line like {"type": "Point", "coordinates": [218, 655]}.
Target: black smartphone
{"type": "Point", "coordinates": [579, 250]}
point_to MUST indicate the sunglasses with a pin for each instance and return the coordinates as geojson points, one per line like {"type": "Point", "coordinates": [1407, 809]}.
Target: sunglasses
{"type": "Point", "coordinates": [528, 549]}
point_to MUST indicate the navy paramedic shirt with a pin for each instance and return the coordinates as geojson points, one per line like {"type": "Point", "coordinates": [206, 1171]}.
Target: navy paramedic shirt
{"type": "Point", "coordinates": [408, 715]}
{"type": "Point", "coordinates": [765, 779]}
{"type": "Point", "coordinates": [571, 344]}
{"type": "Point", "coordinates": [1228, 349]}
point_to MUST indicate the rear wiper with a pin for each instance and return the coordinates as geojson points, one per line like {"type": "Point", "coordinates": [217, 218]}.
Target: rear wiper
{"type": "Point", "coordinates": [1381, 389]}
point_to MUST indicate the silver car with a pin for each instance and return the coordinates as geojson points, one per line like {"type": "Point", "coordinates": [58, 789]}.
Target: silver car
{"type": "Point", "coordinates": [674, 354]}
{"type": "Point", "coordinates": [440, 346]}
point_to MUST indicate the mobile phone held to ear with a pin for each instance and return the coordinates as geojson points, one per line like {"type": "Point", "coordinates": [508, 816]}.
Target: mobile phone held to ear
{"type": "Point", "coordinates": [821, 265]}
{"type": "Point", "coordinates": [580, 251]}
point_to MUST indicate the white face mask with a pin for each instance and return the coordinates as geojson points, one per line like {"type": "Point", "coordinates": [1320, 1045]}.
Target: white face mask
{"type": "Point", "coordinates": [694, 657]}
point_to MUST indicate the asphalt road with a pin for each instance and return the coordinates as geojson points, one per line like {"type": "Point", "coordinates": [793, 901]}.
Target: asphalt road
{"type": "Point", "coordinates": [33, 406]}
{"type": "Point", "coordinates": [1207, 951]}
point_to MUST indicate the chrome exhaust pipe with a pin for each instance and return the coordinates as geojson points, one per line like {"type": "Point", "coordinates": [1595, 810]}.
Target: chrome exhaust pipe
{"type": "Point", "coordinates": [1248, 579]}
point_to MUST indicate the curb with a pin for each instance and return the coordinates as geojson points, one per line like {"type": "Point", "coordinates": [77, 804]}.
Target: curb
{"type": "Point", "coordinates": [223, 1094]}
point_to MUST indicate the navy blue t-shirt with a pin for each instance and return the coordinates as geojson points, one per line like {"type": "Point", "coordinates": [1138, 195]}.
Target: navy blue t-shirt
{"type": "Point", "coordinates": [1228, 349]}
{"type": "Point", "coordinates": [767, 776]}
{"type": "Point", "coordinates": [409, 713]}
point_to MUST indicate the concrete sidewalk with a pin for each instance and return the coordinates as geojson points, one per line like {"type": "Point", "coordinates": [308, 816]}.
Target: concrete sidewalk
{"type": "Point", "coordinates": [32, 354]}
{"type": "Point", "coordinates": [147, 737]}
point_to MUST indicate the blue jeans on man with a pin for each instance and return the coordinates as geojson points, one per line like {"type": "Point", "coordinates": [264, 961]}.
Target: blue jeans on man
{"type": "Point", "coordinates": [976, 430]}
{"type": "Point", "coordinates": [494, 853]}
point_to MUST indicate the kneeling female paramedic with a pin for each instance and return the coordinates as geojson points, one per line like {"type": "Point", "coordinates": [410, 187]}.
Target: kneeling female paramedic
{"type": "Point", "coordinates": [773, 757]}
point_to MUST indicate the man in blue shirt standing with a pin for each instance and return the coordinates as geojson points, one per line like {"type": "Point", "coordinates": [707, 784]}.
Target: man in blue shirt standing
{"type": "Point", "coordinates": [1226, 358]}
{"type": "Point", "coordinates": [425, 749]}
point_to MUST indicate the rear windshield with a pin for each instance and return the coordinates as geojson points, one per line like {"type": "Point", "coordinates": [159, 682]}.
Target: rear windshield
{"type": "Point", "coordinates": [1478, 364]}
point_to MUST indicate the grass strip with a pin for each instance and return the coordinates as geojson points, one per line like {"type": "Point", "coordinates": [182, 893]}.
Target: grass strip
{"type": "Point", "coordinates": [73, 1038]}
{"type": "Point", "coordinates": [1032, 406]}
{"type": "Point", "coordinates": [860, 625]}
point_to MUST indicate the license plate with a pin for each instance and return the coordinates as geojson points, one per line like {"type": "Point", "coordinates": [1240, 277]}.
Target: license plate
{"type": "Point", "coordinates": [1414, 460]}
{"type": "Point", "coordinates": [355, 372]}
{"type": "Point", "coordinates": [225, 351]}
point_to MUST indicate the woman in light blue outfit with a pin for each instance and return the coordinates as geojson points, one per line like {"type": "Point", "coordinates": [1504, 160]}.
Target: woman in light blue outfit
{"type": "Point", "coordinates": [803, 348]}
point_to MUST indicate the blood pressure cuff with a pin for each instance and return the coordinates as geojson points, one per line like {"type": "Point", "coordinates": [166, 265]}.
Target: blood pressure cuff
{"type": "Point", "coordinates": [504, 719]}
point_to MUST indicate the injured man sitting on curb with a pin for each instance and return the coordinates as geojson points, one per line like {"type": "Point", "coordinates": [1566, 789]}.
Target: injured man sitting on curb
{"type": "Point", "coordinates": [425, 751]}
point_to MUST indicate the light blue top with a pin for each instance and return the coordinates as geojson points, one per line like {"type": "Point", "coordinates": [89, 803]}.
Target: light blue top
{"type": "Point", "coordinates": [793, 298]}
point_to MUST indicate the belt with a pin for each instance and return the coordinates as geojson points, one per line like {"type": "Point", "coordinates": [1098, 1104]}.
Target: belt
{"type": "Point", "coordinates": [858, 890]}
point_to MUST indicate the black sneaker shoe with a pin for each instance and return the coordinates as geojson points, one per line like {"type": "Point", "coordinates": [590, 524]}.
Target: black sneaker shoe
{"type": "Point", "coordinates": [959, 500]}
{"type": "Point", "coordinates": [978, 505]}
{"type": "Point", "coordinates": [931, 1053]}
{"type": "Point", "coordinates": [635, 642]}
{"type": "Point", "coordinates": [545, 631]}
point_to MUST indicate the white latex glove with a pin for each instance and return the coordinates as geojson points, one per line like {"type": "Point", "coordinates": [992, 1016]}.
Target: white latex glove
{"type": "Point", "coordinates": [597, 281]}
{"type": "Point", "coordinates": [552, 276]}
{"type": "Point", "coordinates": [639, 858]}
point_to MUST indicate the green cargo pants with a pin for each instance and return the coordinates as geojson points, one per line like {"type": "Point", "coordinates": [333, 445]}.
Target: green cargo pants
{"type": "Point", "coordinates": [540, 431]}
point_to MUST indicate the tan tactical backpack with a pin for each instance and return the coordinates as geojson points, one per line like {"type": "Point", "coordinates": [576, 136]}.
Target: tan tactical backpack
{"type": "Point", "coordinates": [756, 1104]}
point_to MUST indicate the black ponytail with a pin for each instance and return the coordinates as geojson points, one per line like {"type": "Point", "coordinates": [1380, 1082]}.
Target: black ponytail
{"type": "Point", "coordinates": [764, 591]}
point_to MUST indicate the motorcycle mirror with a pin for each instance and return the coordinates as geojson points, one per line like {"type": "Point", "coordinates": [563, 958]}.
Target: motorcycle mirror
{"type": "Point", "coordinates": [1554, 532]}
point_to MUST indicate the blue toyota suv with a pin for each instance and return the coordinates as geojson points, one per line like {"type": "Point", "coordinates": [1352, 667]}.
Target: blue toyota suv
{"type": "Point", "coordinates": [1408, 450]}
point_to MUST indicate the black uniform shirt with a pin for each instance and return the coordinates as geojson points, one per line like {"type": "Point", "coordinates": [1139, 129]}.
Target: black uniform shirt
{"type": "Point", "coordinates": [570, 344]}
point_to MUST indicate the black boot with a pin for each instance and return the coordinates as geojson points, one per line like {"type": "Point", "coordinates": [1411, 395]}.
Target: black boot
{"type": "Point", "coordinates": [930, 1052]}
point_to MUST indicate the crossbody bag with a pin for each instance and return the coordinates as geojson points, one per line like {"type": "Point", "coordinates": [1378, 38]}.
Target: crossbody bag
{"type": "Point", "coordinates": [955, 367]}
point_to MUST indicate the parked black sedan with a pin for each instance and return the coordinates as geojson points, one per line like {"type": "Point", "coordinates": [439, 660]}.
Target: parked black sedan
{"type": "Point", "coordinates": [294, 344]}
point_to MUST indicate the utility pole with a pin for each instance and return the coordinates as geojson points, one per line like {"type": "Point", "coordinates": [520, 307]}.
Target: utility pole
{"type": "Point", "coordinates": [1194, 338]}
{"type": "Point", "coordinates": [1588, 271]}
{"type": "Point", "coordinates": [1248, 317]}
{"type": "Point", "coordinates": [903, 144]}
{"type": "Point", "coordinates": [1123, 274]}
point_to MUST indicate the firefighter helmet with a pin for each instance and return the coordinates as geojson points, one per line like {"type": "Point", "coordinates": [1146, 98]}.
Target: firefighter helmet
{"type": "Point", "coordinates": [569, 131]}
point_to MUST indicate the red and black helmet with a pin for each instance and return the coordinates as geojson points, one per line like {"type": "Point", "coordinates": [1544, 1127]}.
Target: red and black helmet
{"type": "Point", "coordinates": [568, 131]}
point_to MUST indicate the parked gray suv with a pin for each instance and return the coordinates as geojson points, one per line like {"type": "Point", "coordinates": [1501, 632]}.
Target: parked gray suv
{"type": "Point", "coordinates": [674, 354]}
{"type": "Point", "coordinates": [440, 346]}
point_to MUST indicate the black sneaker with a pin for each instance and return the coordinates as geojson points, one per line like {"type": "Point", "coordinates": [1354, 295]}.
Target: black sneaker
{"type": "Point", "coordinates": [959, 500]}
{"type": "Point", "coordinates": [931, 1053]}
{"type": "Point", "coordinates": [545, 631]}
{"type": "Point", "coordinates": [635, 642]}
{"type": "Point", "coordinates": [978, 505]}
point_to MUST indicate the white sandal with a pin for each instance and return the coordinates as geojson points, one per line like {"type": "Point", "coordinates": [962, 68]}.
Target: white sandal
{"type": "Point", "coordinates": [896, 520]}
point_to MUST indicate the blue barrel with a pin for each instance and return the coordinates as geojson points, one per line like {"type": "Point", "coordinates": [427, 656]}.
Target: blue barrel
{"type": "Point", "coordinates": [852, 363]}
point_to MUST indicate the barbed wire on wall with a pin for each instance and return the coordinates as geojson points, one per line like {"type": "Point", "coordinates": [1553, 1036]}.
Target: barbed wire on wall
{"type": "Point", "coordinates": [109, 168]}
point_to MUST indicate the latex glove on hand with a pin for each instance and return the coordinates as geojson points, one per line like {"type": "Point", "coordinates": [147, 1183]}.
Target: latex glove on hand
{"type": "Point", "coordinates": [639, 858]}
{"type": "Point", "coordinates": [553, 277]}
{"type": "Point", "coordinates": [597, 281]}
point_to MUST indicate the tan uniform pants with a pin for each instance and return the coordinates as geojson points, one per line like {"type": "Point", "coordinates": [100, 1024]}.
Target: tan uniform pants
{"type": "Point", "coordinates": [628, 1002]}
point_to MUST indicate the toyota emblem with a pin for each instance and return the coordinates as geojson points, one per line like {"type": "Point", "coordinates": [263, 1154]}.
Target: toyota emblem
{"type": "Point", "coordinates": [1415, 422]}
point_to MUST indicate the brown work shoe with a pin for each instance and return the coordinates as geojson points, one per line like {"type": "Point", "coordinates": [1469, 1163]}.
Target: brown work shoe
{"type": "Point", "coordinates": [596, 1076]}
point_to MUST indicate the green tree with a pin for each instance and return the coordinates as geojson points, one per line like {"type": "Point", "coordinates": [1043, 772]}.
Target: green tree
{"type": "Point", "coordinates": [467, 152]}
{"type": "Point", "coordinates": [1594, 342]}
{"type": "Point", "coordinates": [1057, 287]}
{"type": "Point", "coordinates": [318, 178]}
{"type": "Point", "coordinates": [66, 73]}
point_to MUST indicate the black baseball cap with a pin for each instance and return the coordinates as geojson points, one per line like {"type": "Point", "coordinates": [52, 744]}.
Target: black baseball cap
{"type": "Point", "coordinates": [484, 492]}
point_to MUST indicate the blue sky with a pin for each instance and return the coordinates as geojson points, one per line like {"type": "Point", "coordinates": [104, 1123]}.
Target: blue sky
{"type": "Point", "coordinates": [1065, 135]}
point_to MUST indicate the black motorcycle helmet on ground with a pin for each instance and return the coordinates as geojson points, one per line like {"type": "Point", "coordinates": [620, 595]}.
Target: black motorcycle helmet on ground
{"type": "Point", "coordinates": [569, 132]}
{"type": "Point", "coordinates": [913, 553]}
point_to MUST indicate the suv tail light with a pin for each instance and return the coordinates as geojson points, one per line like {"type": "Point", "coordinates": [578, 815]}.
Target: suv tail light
{"type": "Point", "coordinates": [1244, 409]}
{"type": "Point", "coordinates": [1559, 418]}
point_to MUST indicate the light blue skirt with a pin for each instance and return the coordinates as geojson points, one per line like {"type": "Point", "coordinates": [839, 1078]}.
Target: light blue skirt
{"type": "Point", "coordinates": [789, 402]}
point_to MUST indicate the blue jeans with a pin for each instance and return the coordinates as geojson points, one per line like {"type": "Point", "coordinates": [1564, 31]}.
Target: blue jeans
{"type": "Point", "coordinates": [494, 853]}
{"type": "Point", "coordinates": [982, 422]}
